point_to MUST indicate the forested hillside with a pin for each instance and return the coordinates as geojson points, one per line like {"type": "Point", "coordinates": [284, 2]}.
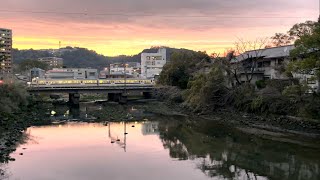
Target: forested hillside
{"type": "Point", "coordinates": [83, 58]}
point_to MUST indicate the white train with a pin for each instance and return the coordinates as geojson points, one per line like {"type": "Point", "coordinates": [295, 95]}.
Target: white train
{"type": "Point", "coordinates": [89, 82]}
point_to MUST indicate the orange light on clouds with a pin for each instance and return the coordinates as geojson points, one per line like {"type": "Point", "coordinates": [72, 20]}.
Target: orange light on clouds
{"type": "Point", "coordinates": [126, 37]}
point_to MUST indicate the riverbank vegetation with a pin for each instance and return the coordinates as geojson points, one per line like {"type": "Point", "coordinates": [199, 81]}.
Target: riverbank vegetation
{"type": "Point", "coordinates": [205, 84]}
{"type": "Point", "coordinates": [17, 112]}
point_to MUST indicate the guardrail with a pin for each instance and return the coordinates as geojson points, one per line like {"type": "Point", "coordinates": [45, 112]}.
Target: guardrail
{"type": "Point", "coordinates": [88, 88]}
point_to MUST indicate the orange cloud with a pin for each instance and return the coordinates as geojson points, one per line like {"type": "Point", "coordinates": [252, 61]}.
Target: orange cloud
{"type": "Point", "coordinates": [174, 24]}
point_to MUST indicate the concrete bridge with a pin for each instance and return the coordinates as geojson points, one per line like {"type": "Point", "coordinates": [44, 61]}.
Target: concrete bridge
{"type": "Point", "coordinates": [116, 93]}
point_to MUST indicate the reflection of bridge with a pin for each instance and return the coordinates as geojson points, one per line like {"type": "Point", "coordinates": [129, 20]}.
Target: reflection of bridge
{"type": "Point", "coordinates": [115, 93]}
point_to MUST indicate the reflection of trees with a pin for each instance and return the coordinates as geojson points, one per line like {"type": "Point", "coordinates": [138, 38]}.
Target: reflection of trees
{"type": "Point", "coordinates": [17, 140]}
{"type": "Point", "coordinates": [4, 173]}
{"type": "Point", "coordinates": [230, 154]}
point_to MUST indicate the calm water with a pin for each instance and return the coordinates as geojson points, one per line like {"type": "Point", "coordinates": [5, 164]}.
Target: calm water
{"type": "Point", "coordinates": [156, 150]}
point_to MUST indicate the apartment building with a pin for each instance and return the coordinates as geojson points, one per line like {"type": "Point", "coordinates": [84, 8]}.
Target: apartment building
{"type": "Point", "coordinates": [269, 63]}
{"type": "Point", "coordinates": [52, 62]}
{"type": "Point", "coordinates": [263, 63]}
{"type": "Point", "coordinates": [152, 63]}
{"type": "Point", "coordinates": [5, 52]}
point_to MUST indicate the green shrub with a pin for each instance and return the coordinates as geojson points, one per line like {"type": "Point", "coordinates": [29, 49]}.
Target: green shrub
{"type": "Point", "coordinates": [12, 97]}
{"type": "Point", "coordinates": [280, 85]}
{"type": "Point", "coordinates": [242, 96]}
{"type": "Point", "coordinates": [295, 91]}
{"type": "Point", "coordinates": [181, 67]}
{"type": "Point", "coordinates": [310, 107]}
{"type": "Point", "coordinates": [207, 91]}
{"type": "Point", "coordinates": [261, 84]}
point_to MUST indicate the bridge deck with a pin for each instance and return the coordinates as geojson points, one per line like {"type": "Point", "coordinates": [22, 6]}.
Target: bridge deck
{"type": "Point", "coordinates": [84, 89]}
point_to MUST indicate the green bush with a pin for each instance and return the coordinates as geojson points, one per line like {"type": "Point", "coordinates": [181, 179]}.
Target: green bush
{"type": "Point", "coordinates": [207, 91]}
{"type": "Point", "coordinates": [280, 85]}
{"type": "Point", "coordinates": [12, 97]}
{"type": "Point", "coordinates": [242, 96]}
{"type": "Point", "coordinates": [310, 107]}
{"type": "Point", "coordinates": [261, 84]}
{"type": "Point", "coordinates": [295, 91]}
{"type": "Point", "coordinates": [181, 67]}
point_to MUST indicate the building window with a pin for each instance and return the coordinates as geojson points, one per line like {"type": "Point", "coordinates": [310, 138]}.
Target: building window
{"type": "Point", "coordinates": [92, 73]}
{"type": "Point", "coordinates": [266, 64]}
{"type": "Point", "coordinates": [311, 81]}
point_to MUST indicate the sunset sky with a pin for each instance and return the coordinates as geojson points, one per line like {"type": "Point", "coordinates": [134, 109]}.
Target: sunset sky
{"type": "Point", "coordinates": [113, 27]}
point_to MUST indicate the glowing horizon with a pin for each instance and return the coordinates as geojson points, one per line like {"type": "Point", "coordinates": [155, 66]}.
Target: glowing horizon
{"type": "Point", "coordinates": [128, 27]}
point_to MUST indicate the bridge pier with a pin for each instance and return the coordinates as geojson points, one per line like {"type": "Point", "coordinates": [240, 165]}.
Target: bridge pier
{"type": "Point", "coordinates": [115, 97]}
{"type": "Point", "coordinates": [110, 96]}
{"type": "Point", "coordinates": [147, 95]}
{"type": "Point", "coordinates": [74, 99]}
{"type": "Point", "coordinates": [123, 99]}
{"type": "Point", "coordinates": [118, 97]}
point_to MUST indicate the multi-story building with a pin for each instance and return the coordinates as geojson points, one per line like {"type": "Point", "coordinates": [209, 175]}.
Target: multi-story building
{"type": "Point", "coordinates": [120, 68]}
{"type": "Point", "coordinates": [150, 128]}
{"type": "Point", "coordinates": [37, 73]}
{"type": "Point", "coordinates": [72, 73]}
{"type": "Point", "coordinates": [131, 69]}
{"type": "Point", "coordinates": [269, 63]}
{"type": "Point", "coordinates": [152, 63]}
{"type": "Point", "coordinates": [52, 62]}
{"type": "Point", "coordinates": [5, 52]}
{"type": "Point", "coordinates": [263, 64]}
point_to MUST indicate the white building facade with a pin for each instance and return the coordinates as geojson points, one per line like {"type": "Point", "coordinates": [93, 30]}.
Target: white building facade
{"type": "Point", "coordinates": [132, 69]}
{"type": "Point", "coordinates": [152, 63]}
{"type": "Point", "coordinates": [72, 73]}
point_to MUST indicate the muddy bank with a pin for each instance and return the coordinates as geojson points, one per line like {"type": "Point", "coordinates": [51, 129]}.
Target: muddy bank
{"type": "Point", "coordinates": [140, 110]}
{"type": "Point", "coordinates": [134, 111]}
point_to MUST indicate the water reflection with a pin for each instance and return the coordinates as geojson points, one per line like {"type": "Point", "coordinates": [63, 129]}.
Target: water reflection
{"type": "Point", "coordinates": [164, 148]}
{"type": "Point", "coordinates": [83, 151]}
{"type": "Point", "coordinates": [83, 112]}
{"type": "Point", "coordinates": [122, 143]}
{"type": "Point", "coordinates": [229, 154]}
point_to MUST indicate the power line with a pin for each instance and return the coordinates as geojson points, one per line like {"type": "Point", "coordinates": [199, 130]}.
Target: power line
{"type": "Point", "coordinates": [150, 15]}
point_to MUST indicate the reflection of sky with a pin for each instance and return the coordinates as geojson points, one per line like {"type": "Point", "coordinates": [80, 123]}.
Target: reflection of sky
{"type": "Point", "coordinates": [83, 151]}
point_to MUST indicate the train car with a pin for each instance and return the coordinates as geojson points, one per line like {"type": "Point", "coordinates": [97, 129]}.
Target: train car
{"type": "Point", "coordinates": [89, 82]}
{"type": "Point", "coordinates": [61, 82]}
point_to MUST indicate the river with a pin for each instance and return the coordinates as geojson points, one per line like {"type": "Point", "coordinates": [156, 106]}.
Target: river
{"type": "Point", "coordinates": [157, 148]}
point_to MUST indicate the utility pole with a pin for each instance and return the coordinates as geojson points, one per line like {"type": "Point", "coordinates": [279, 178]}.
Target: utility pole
{"type": "Point", "coordinates": [124, 96]}
{"type": "Point", "coordinates": [125, 78]}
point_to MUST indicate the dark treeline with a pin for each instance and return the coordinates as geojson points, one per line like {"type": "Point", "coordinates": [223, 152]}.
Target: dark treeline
{"type": "Point", "coordinates": [84, 58]}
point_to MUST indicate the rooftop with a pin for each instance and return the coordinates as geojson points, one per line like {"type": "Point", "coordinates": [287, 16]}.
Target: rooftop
{"type": "Point", "coordinates": [274, 52]}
